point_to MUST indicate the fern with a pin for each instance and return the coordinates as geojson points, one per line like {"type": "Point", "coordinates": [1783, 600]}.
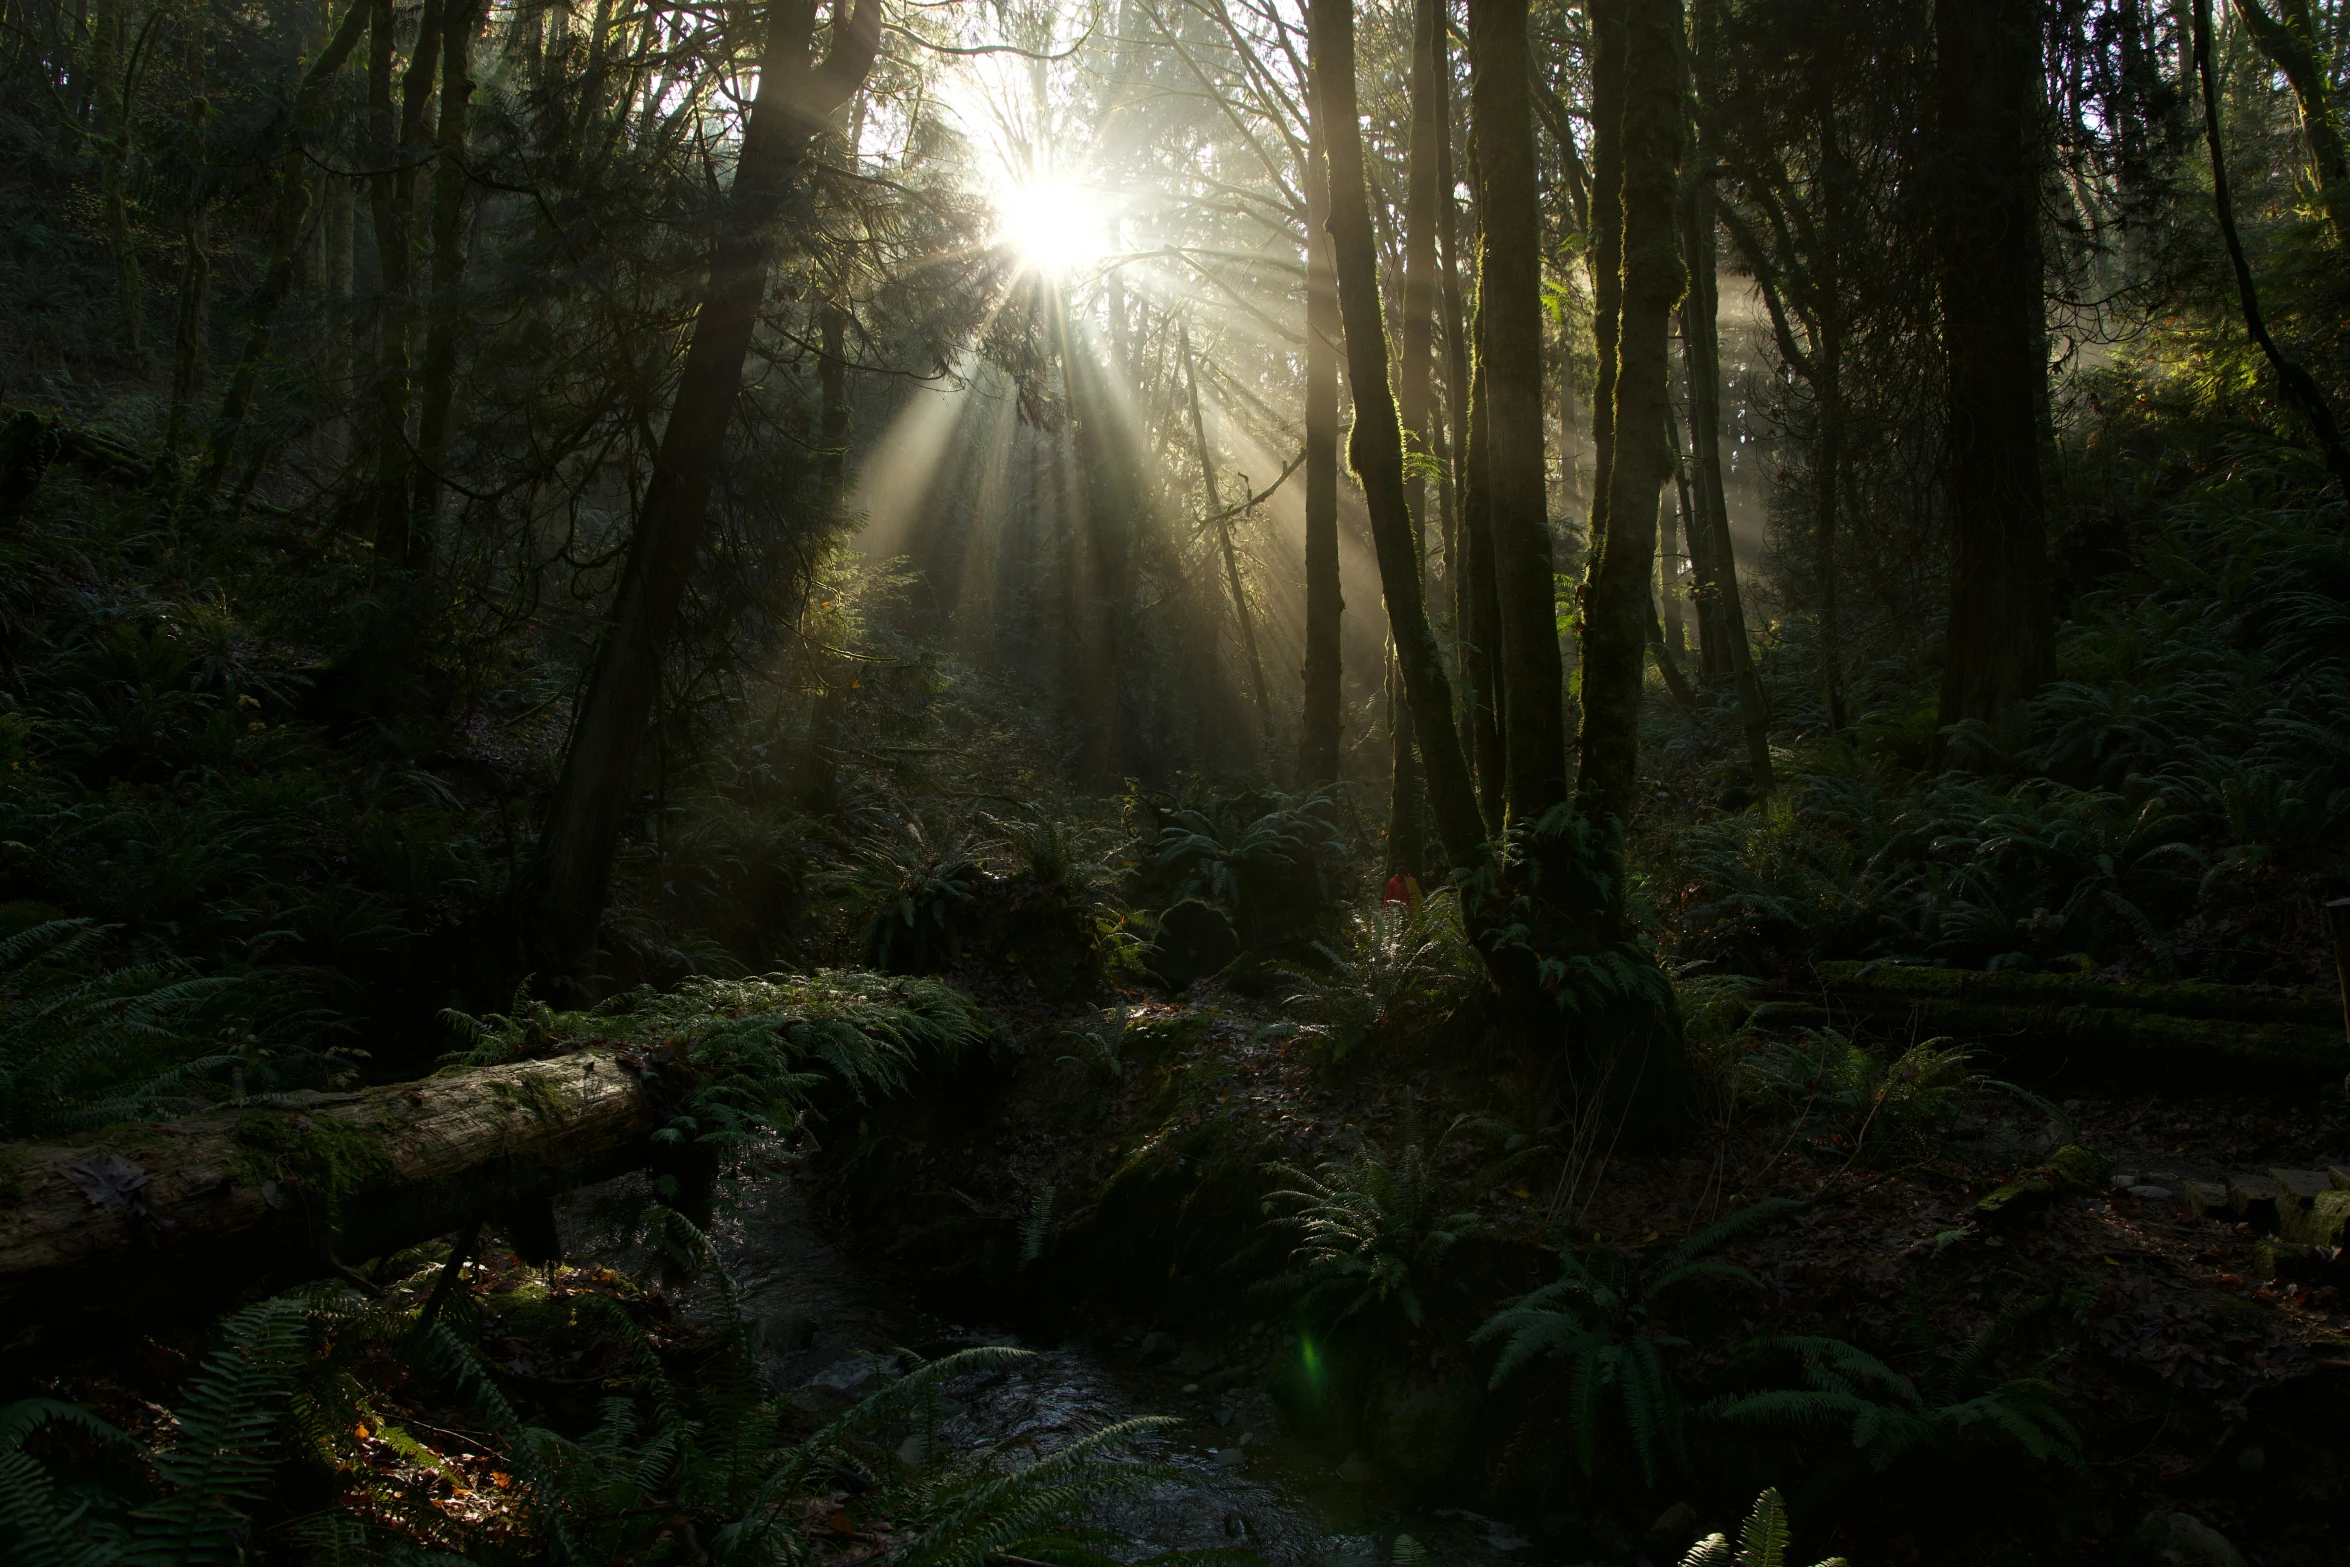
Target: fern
{"type": "Point", "coordinates": [41, 1531]}
{"type": "Point", "coordinates": [1763, 1540]}
{"type": "Point", "coordinates": [1595, 1322]}
{"type": "Point", "coordinates": [1891, 1416]}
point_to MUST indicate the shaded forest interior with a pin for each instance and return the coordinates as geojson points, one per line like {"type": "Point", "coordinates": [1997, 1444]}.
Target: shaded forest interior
{"type": "Point", "coordinates": [1177, 781]}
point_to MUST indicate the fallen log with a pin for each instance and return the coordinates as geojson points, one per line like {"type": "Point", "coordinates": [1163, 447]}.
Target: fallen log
{"type": "Point", "coordinates": [233, 1201]}
{"type": "Point", "coordinates": [2059, 1025]}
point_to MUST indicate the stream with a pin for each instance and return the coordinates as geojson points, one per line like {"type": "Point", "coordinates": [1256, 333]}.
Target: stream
{"type": "Point", "coordinates": [828, 1331]}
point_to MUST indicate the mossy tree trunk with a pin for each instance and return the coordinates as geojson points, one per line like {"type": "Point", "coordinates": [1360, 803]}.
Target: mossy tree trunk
{"type": "Point", "coordinates": [1375, 450]}
{"type": "Point", "coordinates": [1509, 307]}
{"type": "Point", "coordinates": [1616, 603]}
{"type": "Point", "coordinates": [1318, 728]}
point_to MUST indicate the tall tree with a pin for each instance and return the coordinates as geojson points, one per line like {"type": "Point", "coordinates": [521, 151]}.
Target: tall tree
{"type": "Point", "coordinates": [1375, 447]}
{"type": "Point", "coordinates": [1318, 727]}
{"type": "Point", "coordinates": [438, 383]}
{"type": "Point", "coordinates": [2001, 646]}
{"type": "Point", "coordinates": [796, 96]}
{"type": "Point", "coordinates": [1509, 308]}
{"type": "Point", "coordinates": [1616, 604]}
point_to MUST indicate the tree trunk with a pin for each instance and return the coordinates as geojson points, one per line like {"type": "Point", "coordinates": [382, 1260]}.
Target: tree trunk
{"type": "Point", "coordinates": [1375, 450]}
{"type": "Point", "coordinates": [2001, 647]}
{"type": "Point", "coordinates": [192, 328]}
{"type": "Point", "coordinates": [1616, 605]}
{"type": "Point", "coordinates": [1608, 23]}
{"type": "Point", "coordinates": [114, 151]}
{"type": "Point", "coordinates": [2289, 42]}
{"type": "Point", "coordinates": [1509, 308]}
{"type": "Point", "coordinates": [1484, 669]}
{"type": "Point", "coordinates": [237, 1199]}
{"type": "Point", "coordinates": [832, 374]}
{"type": "Point", "coordinates": [1669, 560]}
{"type": "Point", "coordinates": [1720, 603]}
{"type": "Point", "coordinates": [392, 199]}
{"type": "Point", "coordinates": [1318, 730]}
{"type": "Point", "coordinates": [2300, 388]}
{"type": "Point", "coordinates": [438, 390]}
{"type": "Point", "coordinates": [277, 279]}
{"type": "Point", "coordinates": [599, 767]}
{"type": "Point", "coordinates": [1414, 376]}
{"type": "Point", "coordinates": [1215, 509]}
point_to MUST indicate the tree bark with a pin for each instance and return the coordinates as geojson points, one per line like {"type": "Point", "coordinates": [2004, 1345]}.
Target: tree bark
{"type": "Point", "coordinates": [1616, 605]}
{"type": "Point", "coordinates": [2001, 647]}
{"type": "Point", "coordinates": [1509, 308]}
{"type": "Point", "coordinates": [794, 99]}
{"type": "Point", "coordinates": [392, 193]}
{"type": "Point", "coordinates": [1318, 730]}
{"type": "Point", "coordinates": [1414, 376]}
{"type": "Point", "coordinates": [1375, 450]}
{"type": "Point", "coordinates": [224, 1202]}
{"type": "Point", "coordinates": [1608, 24]}
{"type": "Point", "coordinates": [1484, 665]}
{"type": "Point", "coordinates": [437, 391]}
{"type": "Point", "coordinates": [1721, 606]}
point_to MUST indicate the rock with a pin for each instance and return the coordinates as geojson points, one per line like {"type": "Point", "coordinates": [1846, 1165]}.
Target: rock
{"type": "Point", "coordinates": [2150, 1193]}
{"type": "Point", "coordinates": [2080, 1169]}
{"type": "Point", "coordinates": [1155, 1348]}
{"type": "Point", "coordinates": [2177, 1540]}
{"type": "Point", "coordinates": [1230, 1458]}
{"type": "Point", "coordinates": [2253, 1198]}
{"type": "Point", "coordinates": [1673, 1529]}
{"type": "Point", "coordinates": [1357, 1470]}
{"type": "Point", "coordinates": [2204, 1196]}
{"type": "Point", "coordinates": [2296, 1262]}
{"type": "Point", "coordinates": [2017, 1200]}
{"type": "Point", "coordinates": [2340, 1176]}
{"type": "Point", "coordinates": [2298, 1192]}
{"type": "Point", "coordinates": [2125, 1182]}
{"type": "Point", "coordinates": [838, 1387]}
{"type": "Point", "coordinates": [2328, 1220]}
{"type": "Point", "coordinates": [1196, 1361]}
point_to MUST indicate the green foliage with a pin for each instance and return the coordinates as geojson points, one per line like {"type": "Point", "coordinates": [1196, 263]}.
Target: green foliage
{"type": "Point", "coordinates": [1960, 1401]}
{"type": "Point", "coordinates": [1374, 1233]}
{"type": "Point", "coordinates": [222, 1460]}
{"type": "Point", "coordinates": [1269, 860]}
{"type": "Point", "coordinates": [1407, 967]}
{"type": "Point", "coordinates": [1546, 893]}
{"type": "Point", "coordinates": [756, 1049]}
{"type": "Point", "coordinates": [915, 883]}
{"type": "Point", "coordinates": [1763, 1540]}
{"type": "Point", "coordinates": [1860, 1095]}
{"type": "Point", "coordinates": [1597, 1321]}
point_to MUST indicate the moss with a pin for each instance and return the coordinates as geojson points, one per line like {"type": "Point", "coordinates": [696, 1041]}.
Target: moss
{"type": "Point", "coordinates": [2182, 999]}
{"type": "Point", "coordinates": [529, 1092]}
{"type": "Point", "coordinates": [323, 1162]}
{"type": "Point", "coordinates": [2016, 1200]}
{"type": "Point", "coordinates": [2079, 1169]}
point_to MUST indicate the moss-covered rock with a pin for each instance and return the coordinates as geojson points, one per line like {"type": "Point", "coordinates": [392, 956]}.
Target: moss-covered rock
{"type": "Point", "coordinates": [1195, 939]}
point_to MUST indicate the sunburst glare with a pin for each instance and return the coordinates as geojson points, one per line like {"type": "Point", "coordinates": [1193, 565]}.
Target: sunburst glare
{"type": "Point", "coordinates": [1054, 225]}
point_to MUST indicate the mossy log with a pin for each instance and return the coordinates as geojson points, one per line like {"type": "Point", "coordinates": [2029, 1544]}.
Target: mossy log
{"type": "Point", "coordinates": [2059, 1024]}
{"type": "Point", "coordinates": [237, 1200]}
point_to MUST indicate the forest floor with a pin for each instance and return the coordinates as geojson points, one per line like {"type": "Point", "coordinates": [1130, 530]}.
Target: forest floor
{"type": "Point", "coordinates": [2197, 1385]}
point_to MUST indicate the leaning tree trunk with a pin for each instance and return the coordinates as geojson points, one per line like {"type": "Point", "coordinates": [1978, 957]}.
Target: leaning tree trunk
{"type": "Point", "coordinates": [794, 99]}
{"type": "Point", "coordinates": [1509, 307]}
{"type": "Point", "coordinates": [1318, 728]}
{"type": "Point", "coordinates": [229, 1201]}
{"type": "Point", "coordinates": [1375, 449]}
{"type": "Point", "coordinates": [2289, 42]}
{"type": "Point", "coordinates": [2001, 647]}
{"type": "Point", "coordinates": [1616, 606]}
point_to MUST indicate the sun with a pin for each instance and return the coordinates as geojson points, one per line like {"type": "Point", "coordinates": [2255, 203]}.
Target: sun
{"type": "Point", "coordinates": [1056, 226]}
